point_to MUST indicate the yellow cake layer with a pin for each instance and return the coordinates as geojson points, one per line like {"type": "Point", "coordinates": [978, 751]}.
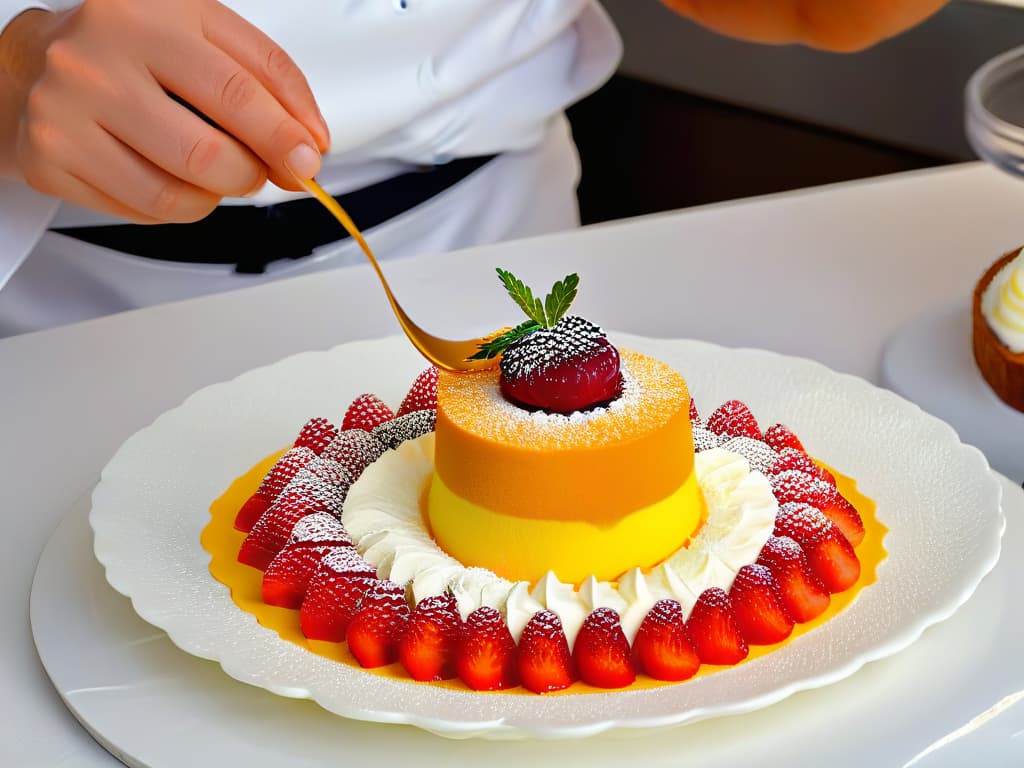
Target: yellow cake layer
{"type": "Point", "coordinates": [523, 548]}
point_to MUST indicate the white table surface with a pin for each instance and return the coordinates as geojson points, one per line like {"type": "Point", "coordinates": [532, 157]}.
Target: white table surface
{"type": "Point", "coordinates": [827, 273]}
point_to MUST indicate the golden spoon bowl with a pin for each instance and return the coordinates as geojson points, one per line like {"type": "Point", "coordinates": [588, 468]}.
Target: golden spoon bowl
{"type": "Point", "coordinates": [448, 354]}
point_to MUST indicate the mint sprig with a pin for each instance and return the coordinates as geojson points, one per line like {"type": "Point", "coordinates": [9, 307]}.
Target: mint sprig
{"type": "Point", "coordinates": [542, 314]}
{"type": "Point", "coordinates": [500, 343]}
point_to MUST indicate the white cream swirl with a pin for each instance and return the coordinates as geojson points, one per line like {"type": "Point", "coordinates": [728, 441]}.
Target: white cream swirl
{"type": "Point", "coordinates": [382, 516]}
{"type": "Point", "coordinates": [1002, 304]}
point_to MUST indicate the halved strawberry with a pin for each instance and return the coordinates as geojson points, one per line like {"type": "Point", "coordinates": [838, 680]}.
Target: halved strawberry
{"type": "Point", "coordinates": [271, 532]}
{"type": "Point", "coordinates": [320, 528]}
{"type": "Point", "coordinates": [846, 517]}
{"type": "Point", "coordinates": [354, 449]}
{"type": "Point", "coordinates": [800, 522]}
{"type": "Point", "coordinates": [601, 651]}
{"type": "Point", "coordinates": [713, 630]}
{"type": "Point", "coordinates": [380, 617]}
{"type": "Point", "coordinates": [803, 595]}
{"type": "Point", "coordinates": [569, 367]}
{"type": "Point", "coordinates": [486, 656]}
{"type": "Point", "coordinates": [695, 420]}
{"type": "Point", "coordinates": [316, 434]}
{"type": "Point", "coordinates": [793, 458]}
{"type": "Point", "coordinates": [428, 643]}
{"type": "Point", "coordinates": [284, 469]}
{"type": "Point", "coordinates": [759, 456]}
{"type": "Point", "coordinates": [288, 574]}
{"type": "Point", "coordinates": [734, 419]}
{"type": "Point", "coordinates": [661, 647]}
{"type": "Point", "coordinates": [757, 605]}
{"type": "Point", "coordinates": [333, 593]}
{"type": "Point", "coordinates": [798, 486]}
{"type": "Point", "coordinates": [366, 412]}
{"type": "Point", "coordinates": [422, 395]}
{"type": "Point", "coordinates": [779, 437]}
{"type": "Point", "coordinates": [545, 663]}
{"type": "Point", "coordinates": [832, 559]}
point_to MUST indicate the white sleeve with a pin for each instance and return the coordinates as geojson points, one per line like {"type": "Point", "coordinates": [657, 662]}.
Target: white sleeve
{"type": "Point", "coordinates": [11, 8]}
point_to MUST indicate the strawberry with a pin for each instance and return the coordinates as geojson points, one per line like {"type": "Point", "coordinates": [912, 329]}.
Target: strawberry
{"type": "Point", "coordinates": [569, 367]}
{"type": "Point", "coordinates": [803, 595]}
{"type": "Point", "coordinates": [428, 642]}
{"type": "Point", "coordinates": [271, 532]}
{"type": "Point", "coordinates": [392, 434]}
{"type": "Point", "coordinates": [380, 617]}
{"type": "Point", "coordinates": [846, 517]}
{"type": "Point", "coordinates": [694, 415]}
{"type": "Point", "coordinates": [320, 528]}
{"type": "Point", "coordinates": [759, 456]}
{"type": "Point", "coordinates": [284, 469]}
{"type": "Point", "coordinates": [251, 511]}
{"type": "Point", "coordinates": [780, 437]}
{"type": "Point", "coordinates": [366, 412]}
{"type": "Point", "coordinates": [800, 522]}
{"type": "Point", "coordinates": [333, 594]}
{"type": "Point", "coordinates": [757, 605]}
{"type": "Point", "coordinates": [545, 663]}
{"type": "Point", "coordinates": [831, 558]}
{"type": "Point", "coordinates": [422, 395]}
{"type": "Point", "coordinates": [713, 629]}
{"type": "Point", "coordinates": [288, 574]}
{"type": "Point", "coordinates": [794, 485]}
{"type": "Point", "coordinates": [316, 435]}
{"type": "Point", "coordinates": [485, 659]}
{"type": "Point", "coordinates": [661, 648]}
{"type": "Point", "coordinates": [601, 651]}
{"type": "Point", "coordinates": [354, 449]}
{"type": "Point", "coordinates": [734, 419]}
{"type": "Point", "coordinates": [791, 458]}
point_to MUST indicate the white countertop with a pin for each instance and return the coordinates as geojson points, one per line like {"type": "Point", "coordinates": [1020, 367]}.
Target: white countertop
{"type": "Point", "coordinates": [828, 273]}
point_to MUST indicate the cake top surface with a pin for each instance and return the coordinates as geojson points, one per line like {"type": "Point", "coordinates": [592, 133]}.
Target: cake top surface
{"type": "Point", "coordinates": [652, 393]}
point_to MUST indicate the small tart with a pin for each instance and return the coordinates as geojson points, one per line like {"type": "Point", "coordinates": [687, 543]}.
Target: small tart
{"type": "Point", "coordinates": [1002, 369]}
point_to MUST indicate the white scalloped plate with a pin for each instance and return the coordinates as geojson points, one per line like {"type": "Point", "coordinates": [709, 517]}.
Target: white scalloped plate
{"type": "Point", "coordinates": [936, 495]}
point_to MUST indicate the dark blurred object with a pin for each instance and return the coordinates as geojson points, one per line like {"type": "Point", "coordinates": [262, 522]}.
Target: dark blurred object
{"type": "Point", "coordinates": [647, 148]}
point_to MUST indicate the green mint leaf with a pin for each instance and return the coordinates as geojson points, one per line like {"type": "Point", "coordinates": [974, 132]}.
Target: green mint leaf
{"type": "Point", "coordinates": [523, 296]}
{"type": "Point", "coordinates": [499, 344]}
{"type": "Point", "coordinates": [557, 302]}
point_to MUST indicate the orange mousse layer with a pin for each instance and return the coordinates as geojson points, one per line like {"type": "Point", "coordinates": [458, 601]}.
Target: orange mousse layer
{"type": "Point", "coordinates": [592, 467]}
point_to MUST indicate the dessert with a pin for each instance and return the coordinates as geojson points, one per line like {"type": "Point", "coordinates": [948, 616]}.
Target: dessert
{"type": "Point", "coordinates": [696, 541]}
{"type": "Point", "coordinates": [998, 327]}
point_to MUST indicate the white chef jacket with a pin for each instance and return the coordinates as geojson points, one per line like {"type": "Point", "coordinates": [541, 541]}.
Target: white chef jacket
{"type": "Point", "coordinates": [400, 83]}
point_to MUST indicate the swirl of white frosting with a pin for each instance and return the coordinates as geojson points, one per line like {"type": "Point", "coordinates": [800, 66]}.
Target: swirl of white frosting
{"type": "Point", "coordinates": [1002, 304]}
{"type": "Point", "coordinates": [382, 516]}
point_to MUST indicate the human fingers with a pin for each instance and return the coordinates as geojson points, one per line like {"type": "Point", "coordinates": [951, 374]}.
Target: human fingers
{"type": "Point", "coordinates": [178, 141]}
{"type": "Point", "coordinates": [110, 176]}
{"type": "Point", "coordinates": [232, 97]}
{"type": "Point", "coordinates": [270, 64]}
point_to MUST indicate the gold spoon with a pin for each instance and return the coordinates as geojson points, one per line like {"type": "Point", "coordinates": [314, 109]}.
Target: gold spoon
{"type": "Point", "coordinates": [444, 353]}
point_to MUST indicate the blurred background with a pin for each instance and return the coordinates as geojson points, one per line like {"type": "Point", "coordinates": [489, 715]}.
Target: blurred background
{"type": "Point", "coordinates": [693, 117]}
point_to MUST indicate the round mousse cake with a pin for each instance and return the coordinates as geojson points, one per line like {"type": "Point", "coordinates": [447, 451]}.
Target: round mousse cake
{"type": "Point", "coordinates": [523, 492]}
{"type": "Point", "coordinates": [999, 301]}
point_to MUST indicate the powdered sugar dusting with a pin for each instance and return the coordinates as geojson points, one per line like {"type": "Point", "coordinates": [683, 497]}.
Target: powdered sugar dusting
{"type": "Point", "coordinates": [652, 393]}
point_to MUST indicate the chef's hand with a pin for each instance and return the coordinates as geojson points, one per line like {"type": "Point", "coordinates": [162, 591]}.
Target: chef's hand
{"type": "Point", "coordinates": [93, 108]}
{"type": "Point", "coordinates": [834, 25]}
